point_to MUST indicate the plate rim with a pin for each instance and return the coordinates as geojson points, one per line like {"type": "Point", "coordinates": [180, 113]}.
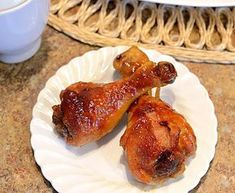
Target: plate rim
{"type": "Point", "coordinates": [196, 3]}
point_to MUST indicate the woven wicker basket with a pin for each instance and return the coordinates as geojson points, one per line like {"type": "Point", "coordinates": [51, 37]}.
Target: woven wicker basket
{"type": "Point", "coordinates": [192, 34]}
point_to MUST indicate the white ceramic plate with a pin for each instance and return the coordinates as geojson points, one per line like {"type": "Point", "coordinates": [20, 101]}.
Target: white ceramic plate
{"type": "Point", "coordinates": [197, 3]}
{"type": "Point", "coordinates": [100, 167]}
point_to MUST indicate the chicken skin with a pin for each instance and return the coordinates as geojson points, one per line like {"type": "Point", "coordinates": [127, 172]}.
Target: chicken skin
{"type": "Point", "coordinates": [157, 140]}
{"type": "Point", "coordinates": [88, 111]}
{"type": "Point", "coordinates": [129, 61]}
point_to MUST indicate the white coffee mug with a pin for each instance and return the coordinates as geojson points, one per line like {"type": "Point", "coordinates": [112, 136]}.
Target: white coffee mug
{"type": "Point", "coordinates": [21, 25]}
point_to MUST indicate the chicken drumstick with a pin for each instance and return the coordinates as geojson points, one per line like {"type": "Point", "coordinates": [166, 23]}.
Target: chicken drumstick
{"type": "Point", "coordinates": [157, 140]}
{"type": "Point", "coordinates": [88, 111]}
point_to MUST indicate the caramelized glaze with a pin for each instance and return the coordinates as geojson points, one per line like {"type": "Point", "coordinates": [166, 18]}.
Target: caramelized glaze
{"type": "Point", "coordinates": [88, 111]}
{"type": "Point", "coordinates": [157, 140]}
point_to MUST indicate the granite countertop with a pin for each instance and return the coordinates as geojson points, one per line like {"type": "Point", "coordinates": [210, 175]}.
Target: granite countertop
{"type": "Point", "coordinates": [21, 83]}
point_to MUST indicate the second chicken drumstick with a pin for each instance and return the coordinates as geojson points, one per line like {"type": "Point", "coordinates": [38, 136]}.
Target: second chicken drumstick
{"type": "Point", "coordinates": [157, 140]}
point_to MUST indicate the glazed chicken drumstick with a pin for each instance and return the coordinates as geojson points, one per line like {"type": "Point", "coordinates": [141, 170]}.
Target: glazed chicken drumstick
{"type": "Point", "coordinates": [88, 111]}
{"type": "Point", "coordinates": [157, 140]}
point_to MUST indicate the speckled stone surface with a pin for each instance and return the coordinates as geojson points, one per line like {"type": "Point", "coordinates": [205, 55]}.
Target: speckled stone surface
{"type": "Point", "coordinates": [21, 83]}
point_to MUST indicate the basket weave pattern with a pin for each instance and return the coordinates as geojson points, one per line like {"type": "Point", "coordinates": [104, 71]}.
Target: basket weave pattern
{"type": "Point", "coordinates": [196, 34]}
